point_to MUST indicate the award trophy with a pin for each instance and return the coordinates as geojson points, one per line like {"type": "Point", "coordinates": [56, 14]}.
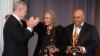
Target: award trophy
{"type": "Point", "coordinates": [74, 48]}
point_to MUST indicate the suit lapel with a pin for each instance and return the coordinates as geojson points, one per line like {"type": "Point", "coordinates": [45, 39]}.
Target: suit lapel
{"type": "Point", "coordinates": [72, 27]}
{"type": "Point", "coordinates": [82, 34]}
{"type": "Point", "coordinates": [71, 32]}
{"type": "Point", "coordinates": [18, 23]}
{"type": "Point", "coordinates": [83, 30]}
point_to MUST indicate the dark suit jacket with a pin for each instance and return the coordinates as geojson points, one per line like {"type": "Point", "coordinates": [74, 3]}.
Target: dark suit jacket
{"type": "Point", "coordinates": [43, 39]}
{"type": "Point", "coordinates": [88, 38]}
{"type": "Point", "coordinates": [15, 38]}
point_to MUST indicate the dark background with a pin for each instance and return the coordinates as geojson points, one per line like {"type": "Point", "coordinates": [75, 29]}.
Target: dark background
{"type": "Point", "coordinates": [63, 10]}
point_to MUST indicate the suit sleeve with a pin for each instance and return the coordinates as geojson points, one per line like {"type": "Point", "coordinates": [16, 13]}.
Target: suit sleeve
{"type": "Point", "coordinates": [20, 35]}
{"type": "Point", "coordinates": [94, 40]}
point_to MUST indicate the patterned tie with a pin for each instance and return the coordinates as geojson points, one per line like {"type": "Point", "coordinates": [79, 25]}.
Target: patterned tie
{"type": "Point", "coordinates": [75, 38]}
{"type": "Point", "coordinates": [79, 26]}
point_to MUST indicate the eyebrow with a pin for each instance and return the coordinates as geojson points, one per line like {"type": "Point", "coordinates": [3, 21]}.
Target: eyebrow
{"type": "Point", "coordinates": [76, 16]}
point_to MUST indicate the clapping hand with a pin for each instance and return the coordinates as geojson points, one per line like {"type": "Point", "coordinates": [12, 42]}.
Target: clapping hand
{"type": "Point", "coordinates": [32, 22]}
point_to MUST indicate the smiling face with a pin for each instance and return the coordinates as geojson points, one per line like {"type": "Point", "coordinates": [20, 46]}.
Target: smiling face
{"type": "Point", "coordinates": [48, 19]}
{"type": "Point", "coordinates": [78, 16]}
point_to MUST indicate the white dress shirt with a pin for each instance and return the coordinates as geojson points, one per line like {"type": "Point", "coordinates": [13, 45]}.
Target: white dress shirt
{"type": "Point", "coordinates": [78, 29]}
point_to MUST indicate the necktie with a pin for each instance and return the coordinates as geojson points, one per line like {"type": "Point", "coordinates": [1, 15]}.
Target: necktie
{"type": "Point", "coordinates": [79, 26]}
{"type": "Point", "coordinates": [75, 38]}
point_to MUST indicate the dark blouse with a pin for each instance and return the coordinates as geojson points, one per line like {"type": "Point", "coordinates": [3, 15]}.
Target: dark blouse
{"type": "Point", "coordinates": [44, 39]}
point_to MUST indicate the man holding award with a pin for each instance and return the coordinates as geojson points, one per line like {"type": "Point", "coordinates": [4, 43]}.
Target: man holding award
{"type": "Point", "coordinates": [80, 38]}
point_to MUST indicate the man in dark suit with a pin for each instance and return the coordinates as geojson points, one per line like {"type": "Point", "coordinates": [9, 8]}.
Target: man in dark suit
{"type": "Point", "coordinates": [80, 36]}
{"type": "Point", "coordinates": [15, 35]}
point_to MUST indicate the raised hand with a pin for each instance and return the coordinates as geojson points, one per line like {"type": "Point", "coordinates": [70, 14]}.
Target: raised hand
{"type": "Point", "coordinates": [32, 22]}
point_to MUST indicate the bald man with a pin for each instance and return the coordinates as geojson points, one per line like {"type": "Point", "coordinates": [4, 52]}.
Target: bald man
{"type": "Point", "coordinates": [80, 38]}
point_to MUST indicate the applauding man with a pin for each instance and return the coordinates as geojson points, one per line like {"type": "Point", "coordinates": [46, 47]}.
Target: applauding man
{"type": "Point", "coordinates": [15, 35]}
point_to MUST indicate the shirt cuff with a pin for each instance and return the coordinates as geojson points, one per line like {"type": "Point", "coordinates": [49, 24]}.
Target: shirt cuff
{"type": "Point", "coordinates": [84, 50]}
{"type": "Point", "coordinates": [30, 29]}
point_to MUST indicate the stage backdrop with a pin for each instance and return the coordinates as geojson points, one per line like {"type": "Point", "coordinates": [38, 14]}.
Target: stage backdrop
{"type": "Point", "coordinates": [63, 10]}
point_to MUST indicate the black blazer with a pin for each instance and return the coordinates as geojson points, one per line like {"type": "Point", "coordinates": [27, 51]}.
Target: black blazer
{"type": "Point", "coordinates": [41, 30]}
{"type": "Point", "coordinates": [15, 38]}
{"type": "Point", "coordinates": [88, 38]}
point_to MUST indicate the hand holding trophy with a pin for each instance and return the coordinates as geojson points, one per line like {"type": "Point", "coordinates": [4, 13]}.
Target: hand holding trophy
{"type": "Point", "coordinates": [75, 40]}
{"type": "Point", "coordinates": [74, 48]}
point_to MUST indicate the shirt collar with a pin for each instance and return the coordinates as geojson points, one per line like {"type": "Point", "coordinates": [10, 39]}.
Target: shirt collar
{"type": "Point", "coordinates": [80, 24]}
{"type": "Point", "coordinates": [16, 17]}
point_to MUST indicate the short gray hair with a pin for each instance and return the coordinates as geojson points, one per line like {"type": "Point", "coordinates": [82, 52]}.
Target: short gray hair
{"type": "Point", "coordinates": [18, 4]}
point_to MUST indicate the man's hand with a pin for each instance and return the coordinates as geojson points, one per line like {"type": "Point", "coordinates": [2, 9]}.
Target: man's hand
{"type": "Point", "coordinates": [32, 22]}
{"type": "Point", "coordinates": [69, 49]}
{"type": "Point", "coordinates": [81, 50]}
